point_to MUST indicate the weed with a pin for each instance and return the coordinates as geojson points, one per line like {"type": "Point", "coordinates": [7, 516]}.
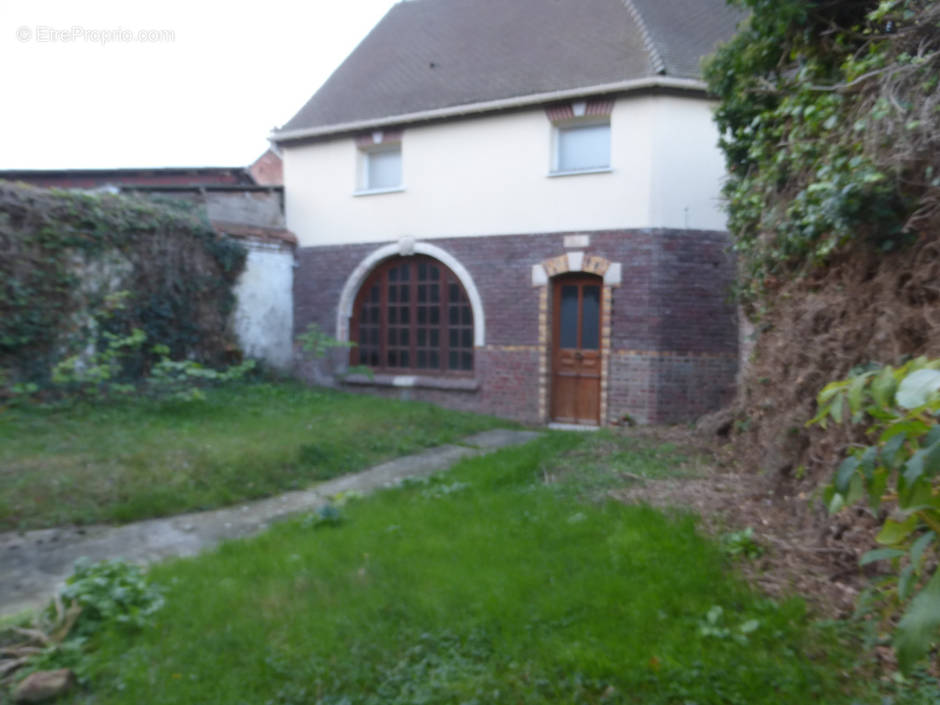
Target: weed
{"type": "Point", "coordinates": [109, 595]}
{"type": "Point", "coordinates": [741, 544]}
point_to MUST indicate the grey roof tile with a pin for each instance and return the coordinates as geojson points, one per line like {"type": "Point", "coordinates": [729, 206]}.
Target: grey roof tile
{"type": "Point", "coordinates": [433, 54]}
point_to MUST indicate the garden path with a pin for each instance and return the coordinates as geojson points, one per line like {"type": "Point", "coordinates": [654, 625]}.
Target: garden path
{"type": "Point", "coordinates": [34, 564]}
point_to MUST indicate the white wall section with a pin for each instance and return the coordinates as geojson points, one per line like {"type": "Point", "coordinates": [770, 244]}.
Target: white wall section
{"type": "Point", "coordinates": [689, 168]}
{"type": "Point", "coordinates": [491, 175]}
{"type": "Point", "coordinates": [264, 312]}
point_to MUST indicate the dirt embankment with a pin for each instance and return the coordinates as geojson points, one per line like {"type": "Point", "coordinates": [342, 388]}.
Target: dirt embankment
{"type": "Point", "coordinates": [869, 307]}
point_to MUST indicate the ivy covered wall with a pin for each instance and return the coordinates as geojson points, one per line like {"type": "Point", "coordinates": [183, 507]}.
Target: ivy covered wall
{"type": "Point", "coordinates": [74, 266]}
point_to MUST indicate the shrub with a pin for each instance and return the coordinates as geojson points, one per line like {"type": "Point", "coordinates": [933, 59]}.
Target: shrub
{"type": "Point", "coordinates": [900, 469]}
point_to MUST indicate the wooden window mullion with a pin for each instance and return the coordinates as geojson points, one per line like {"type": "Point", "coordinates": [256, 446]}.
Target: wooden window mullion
{"type": "Point", "coordinates": [578, 316]}
{"type": "Point", "coordinates": [383, 328]}
{"type": "Point", "coordinates": [383, 318]}
{"type": "Point", "coordinates": [445, 323]}
{"type": "Point", "coordinates": [413, 316]}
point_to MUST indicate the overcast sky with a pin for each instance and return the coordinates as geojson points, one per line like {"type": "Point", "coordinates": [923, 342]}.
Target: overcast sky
{"type": "Point", "coordinates": [203, 86]}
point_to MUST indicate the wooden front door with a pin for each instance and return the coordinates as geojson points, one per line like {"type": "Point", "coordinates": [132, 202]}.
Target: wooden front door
{"type": "Point", "coordinates": [576, 349]}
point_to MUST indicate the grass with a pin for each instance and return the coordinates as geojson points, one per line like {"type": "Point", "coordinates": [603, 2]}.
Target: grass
{"type": "Point", "coordinates": [608, 460]}
{"type": "Point", "coordinates": [136, 459]}
{"type": "Point", "coordinates": [485, 585]}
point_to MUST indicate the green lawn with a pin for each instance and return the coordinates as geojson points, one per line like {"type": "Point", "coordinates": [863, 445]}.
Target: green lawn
{"type": "Point", "coordinates": [136, 459]}
{"type": "Point", "coordinates": [485, 585]}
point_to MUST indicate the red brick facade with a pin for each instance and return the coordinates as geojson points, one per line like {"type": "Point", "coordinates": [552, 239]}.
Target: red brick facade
{"type": "Point", "coordinates": [673, 342]}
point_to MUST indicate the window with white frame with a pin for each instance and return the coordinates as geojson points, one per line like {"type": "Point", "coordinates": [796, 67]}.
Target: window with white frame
{"type": "Point", "coordinates": [580, 136]}
{"type": "Point", "coordinates": [380, 165]}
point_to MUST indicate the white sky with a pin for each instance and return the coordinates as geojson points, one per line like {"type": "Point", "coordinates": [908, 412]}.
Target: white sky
{"type": "Point", "coordinates": [78, 98]}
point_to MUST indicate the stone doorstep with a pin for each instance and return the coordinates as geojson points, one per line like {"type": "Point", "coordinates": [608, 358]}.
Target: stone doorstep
{"type": "Point", "coordinates": [36, 563]}
{"type": "Point", "coordinates": [555, 426]}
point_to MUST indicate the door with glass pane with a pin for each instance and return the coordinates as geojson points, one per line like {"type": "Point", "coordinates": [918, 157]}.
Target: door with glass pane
{"type": "Point", "coordinates": [576, 353]}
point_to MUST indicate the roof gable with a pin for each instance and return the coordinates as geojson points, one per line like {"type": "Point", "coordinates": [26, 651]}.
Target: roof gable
{"type": "Point", "coordinates": [428, 55]}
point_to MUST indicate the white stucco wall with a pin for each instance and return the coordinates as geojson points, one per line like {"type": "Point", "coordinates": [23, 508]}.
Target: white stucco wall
{"type": "Point", "coordinates": [689, 168]}
{"type": "Point", "coordinates": [490, 175]}
{"type": "Point", "coordinates": [264, 313]}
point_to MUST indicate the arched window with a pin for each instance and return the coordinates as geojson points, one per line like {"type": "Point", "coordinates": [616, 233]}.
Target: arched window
{"type": "Point", "coordinates": [412, 316]}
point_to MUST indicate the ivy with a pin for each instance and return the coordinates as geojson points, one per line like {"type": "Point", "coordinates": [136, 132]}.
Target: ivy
{"type": "Point", "coordinates": [67, 255]}
{"type": "Point", "coordinates": [828, 122]}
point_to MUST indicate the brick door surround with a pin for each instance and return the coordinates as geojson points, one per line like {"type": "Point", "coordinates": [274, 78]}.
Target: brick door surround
{"type": "Point", "coordinates": [542, 274]}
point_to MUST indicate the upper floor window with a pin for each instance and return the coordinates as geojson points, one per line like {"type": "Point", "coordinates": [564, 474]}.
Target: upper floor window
{"type": "Point", "coordinates": [580, 136]}
{"type": "Point", "coordinates": [581, 147]}
{"type": "Point", "coordinates": [380, 164]}
{"type": "Point", "coordinates": [412, 315]}
{"type": "Point", "coordinates": [382, 169]}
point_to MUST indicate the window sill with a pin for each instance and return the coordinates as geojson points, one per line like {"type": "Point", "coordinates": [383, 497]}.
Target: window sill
{"type": "Point", "coordinates": [578, 172]}
{"type": "Point", "coordinates": [455, 384]}
{"type": "Point", "coordinates": [378, 191]}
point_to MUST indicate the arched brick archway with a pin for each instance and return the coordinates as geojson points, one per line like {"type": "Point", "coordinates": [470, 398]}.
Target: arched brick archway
{"type": "Point", "coordinates": [405, 247]}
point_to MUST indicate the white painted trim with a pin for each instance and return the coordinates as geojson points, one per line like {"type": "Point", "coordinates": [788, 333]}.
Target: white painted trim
{"type": "Point", "coordinates": [614, 274]}
{"type": "Point", "coordinates": [378, 191]}
{"type": "Point", "coordinates": [556, 426]}
{"type": "Point", "coordinates": [539, 275]}
{"type": "Point", "coordinates": [579, 240]}
{"type": "Point", "coordinates": [578, 172]}
{"type": "Point", "coordinates": [355, 280]}
{"type": "Point", "coordinates": [635, 84]}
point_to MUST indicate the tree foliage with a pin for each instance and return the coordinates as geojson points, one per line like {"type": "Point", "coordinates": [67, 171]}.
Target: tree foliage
{"type": "Point", "coordinates": [830, 123]}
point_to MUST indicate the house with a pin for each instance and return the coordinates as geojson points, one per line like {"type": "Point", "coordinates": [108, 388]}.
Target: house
{"type": "Point", "coordinates": [237, 204]}
{"type": "Point", "coordinates": [513, 208]}
{"type": "Point", "coordinates": [267, 170]}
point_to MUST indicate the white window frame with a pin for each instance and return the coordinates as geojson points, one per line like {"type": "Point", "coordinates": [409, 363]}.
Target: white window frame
{"type": "Point", "coordinates": [363, 186]}
{"type": "Point", "coordinates": [559, 128]}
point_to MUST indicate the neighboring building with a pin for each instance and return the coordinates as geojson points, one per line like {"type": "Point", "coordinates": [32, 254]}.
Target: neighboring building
{"type": "Point", "coordinates": [236, 206]}
{"type": "Point", "coordinates": [513, 208]}
{"type": "Point", "coordinates": [268, 169]}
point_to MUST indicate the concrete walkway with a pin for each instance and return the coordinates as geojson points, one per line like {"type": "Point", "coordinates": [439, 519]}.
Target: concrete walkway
{"type": "Point", "coordinates": [34, 565]}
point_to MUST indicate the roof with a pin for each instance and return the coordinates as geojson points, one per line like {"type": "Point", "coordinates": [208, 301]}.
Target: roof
{"type": "Point", "coordinates": [257, 232]}
{"type": "Point", "coordinates": [144, 176]}
{"type": "Point", "coordinates": [432, 56]}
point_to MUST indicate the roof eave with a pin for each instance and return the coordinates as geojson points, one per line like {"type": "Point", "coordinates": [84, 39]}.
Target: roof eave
{"type": "Point", "coordinates": [637, 84]}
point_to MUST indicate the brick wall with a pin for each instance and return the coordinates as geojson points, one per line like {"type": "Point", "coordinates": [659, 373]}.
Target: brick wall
{"type": "Point", "coordinates": [674, 329]}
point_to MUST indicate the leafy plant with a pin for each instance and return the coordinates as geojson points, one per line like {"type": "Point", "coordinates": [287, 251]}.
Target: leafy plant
{"type": "Point", "coordinates": [741, 543]}
{"type": "Point", "coordinates": [109, 365]}
{"type": "Point", "coordinates": [715, 625]}
{"type": "Point", "coordinates": [899, 470]}
{"type": "Point", "coordinates": [327, 515]}
{"type": "Point", "coordinates": [108, 594]}
{"type": "Point", "coordinates": [315, 344]}
{"type": "Point", "coordinates": [111, 593]}
{"type": "Point", "coordinates": [183, 379]}
{"type": "Point", "coordinates": [96, 374]}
